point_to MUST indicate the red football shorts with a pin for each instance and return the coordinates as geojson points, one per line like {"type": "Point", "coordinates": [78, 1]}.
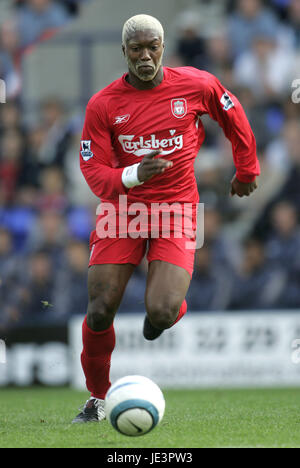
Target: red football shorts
{"type": "Point", "coordinates": [176, 250]}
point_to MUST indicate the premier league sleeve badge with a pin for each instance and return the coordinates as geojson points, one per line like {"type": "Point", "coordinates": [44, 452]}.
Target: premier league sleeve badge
{"type": "Point", "coordinates": [86, 152]}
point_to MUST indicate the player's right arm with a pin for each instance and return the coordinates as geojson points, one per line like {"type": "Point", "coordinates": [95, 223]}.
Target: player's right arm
{"type": "Point", "coordinates": [150, 167]}
{"type": "Point", "coordinates": [97, 157]}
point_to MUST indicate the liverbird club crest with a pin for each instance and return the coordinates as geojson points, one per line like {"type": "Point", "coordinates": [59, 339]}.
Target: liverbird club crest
{"type": "Point", "coordinates": [179, 107]}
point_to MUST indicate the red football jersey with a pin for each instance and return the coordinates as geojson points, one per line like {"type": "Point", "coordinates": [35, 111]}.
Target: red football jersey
{"type": "Point", "coordinates": [123, 124]}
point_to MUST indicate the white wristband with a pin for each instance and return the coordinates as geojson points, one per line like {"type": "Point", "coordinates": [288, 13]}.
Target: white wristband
{"type": "Point", "coordinates": [130, 176]}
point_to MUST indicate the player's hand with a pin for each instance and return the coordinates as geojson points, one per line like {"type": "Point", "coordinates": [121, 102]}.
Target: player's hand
{"type": "Point", "coordinates": [242, 189]}
{"type": "Point", "coordinates": [151, 166]}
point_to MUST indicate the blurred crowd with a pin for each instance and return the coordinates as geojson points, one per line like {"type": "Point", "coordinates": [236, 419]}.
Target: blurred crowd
{"type": "Point", "coordinates": [251, 258]}
{"type": "Point", "coordinates": [251, 254]}
{"type": "Point", "coordinates": [29, 22]}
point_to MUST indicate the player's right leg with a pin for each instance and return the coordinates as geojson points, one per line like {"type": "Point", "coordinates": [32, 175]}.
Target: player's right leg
{"type": "Point", "coordinates": [106, 286]}
{"type": "Point", "coordinates": [112, 262]}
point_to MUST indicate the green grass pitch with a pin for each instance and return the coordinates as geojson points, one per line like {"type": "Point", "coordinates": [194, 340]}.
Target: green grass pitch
{"type": "Point", "coordinates": [40, 417]}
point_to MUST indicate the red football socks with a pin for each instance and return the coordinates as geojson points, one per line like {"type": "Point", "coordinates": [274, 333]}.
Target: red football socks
{"type": "Point", "coordinates": [181, 313]}
{"type": "Point", "coordinates": [95, 358]}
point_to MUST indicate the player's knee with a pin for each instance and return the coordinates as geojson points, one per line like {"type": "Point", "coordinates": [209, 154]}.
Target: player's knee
{"type": "Point", "coordinates": [100, 314]}
{"type": "Point", "coordinates": [162, 316]}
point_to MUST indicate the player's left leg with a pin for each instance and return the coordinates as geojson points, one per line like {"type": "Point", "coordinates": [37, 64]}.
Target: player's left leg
{"type": "Point", "coordinates": [171, 264]}
{"type": "Point", "coordinates": [167, 285]}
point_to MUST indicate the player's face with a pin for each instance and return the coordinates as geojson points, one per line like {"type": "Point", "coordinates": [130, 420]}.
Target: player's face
{"type": "Point", "coordinates": [143, 52]}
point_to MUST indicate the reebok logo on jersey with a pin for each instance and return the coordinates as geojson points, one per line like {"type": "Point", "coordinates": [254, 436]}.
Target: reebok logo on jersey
{"type": "Point", "coordinates": [142, 146]}
{"type": "Point", "coordinates": [121, 119]}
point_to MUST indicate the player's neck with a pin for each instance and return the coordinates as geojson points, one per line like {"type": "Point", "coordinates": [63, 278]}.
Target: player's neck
{"type": "Point", "coordinates": [142, 85]}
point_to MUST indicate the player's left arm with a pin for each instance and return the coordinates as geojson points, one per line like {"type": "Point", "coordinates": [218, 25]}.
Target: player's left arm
{"type": "Point", "coordinates": [225, 108]}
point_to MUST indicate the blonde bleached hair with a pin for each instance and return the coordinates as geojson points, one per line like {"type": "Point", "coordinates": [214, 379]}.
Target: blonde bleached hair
{"type": "Point", "coordinates": [141, 23]}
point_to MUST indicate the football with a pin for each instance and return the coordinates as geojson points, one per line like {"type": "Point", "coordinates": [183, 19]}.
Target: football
{"type": "Point", "coordinates": [134, 405]}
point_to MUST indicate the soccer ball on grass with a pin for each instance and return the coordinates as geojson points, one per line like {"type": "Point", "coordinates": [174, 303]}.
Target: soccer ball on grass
{"type": "Point", "coordinates": [134, 405]}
